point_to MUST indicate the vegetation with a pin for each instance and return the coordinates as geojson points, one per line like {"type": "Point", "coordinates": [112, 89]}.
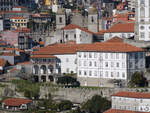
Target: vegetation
{"type": "Point", "coordinates": [31, 90]}
{"type": "Point", "coordinates": [68, 81]}
{"type": "Point", "coordinates": [97, 104]}
{"type": "Point", "coordinates": [138, 80]}
{"type": "Point", "coordinates": [65, 105]}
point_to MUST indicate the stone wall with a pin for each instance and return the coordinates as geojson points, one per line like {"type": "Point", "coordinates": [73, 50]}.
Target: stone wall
{"type": "Point", "coordinates": [79, 95]}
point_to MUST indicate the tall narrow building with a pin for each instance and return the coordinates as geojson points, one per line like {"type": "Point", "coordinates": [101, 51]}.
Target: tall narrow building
{"type": "Point", "coordinates": [142, 25]}
{"type": "Point", "coordinates": [7, 5]}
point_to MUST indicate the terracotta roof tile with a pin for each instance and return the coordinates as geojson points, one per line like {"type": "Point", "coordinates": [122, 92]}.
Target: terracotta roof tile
{"type": "Point", "coordinates": [43, 56]}
{"type": "Point", "coordinates": [17, 17]}
{"type": "Point", "coordinates": [113, 45]}
{"type": "Point", "coordinates": [121, 27]}
{"type": "Point", "coordinates": [73, 26]}
{"type": "Point", "coordinates": [121, 111]}
{"type": "Point", "coordinates": [16, 101]}
{"type": "Point", "coordinates": [132, 94]}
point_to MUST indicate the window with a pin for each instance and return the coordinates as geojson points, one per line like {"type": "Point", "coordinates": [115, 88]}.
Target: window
{"type": "Point", "coordinates": [112, 55]}
{"type": "Point", "coordinates": [123, 56]}
{"type": "Point", "coordinates": [123, 74]}
{"type": "Point", "coordinates": [74, 36]}
{"type": "Point", "coordinates": [67, 70]}
{"type": "Point", "coordinates": [95, 73]}
{"type": "Point", "coordinates": [90, 63]}
{"type": "Point", "coordinates": [80, 72]}
{"type": "Point", "coordinates": [95, 55]}
{"type": "Point", "coordinates": [95, 63]}
{"type": "Point", "coordinates": [142, 27]}
{"type": "Point", "coordinates": [106, 64]}
{"type": "Point", "coordinates": [66, 37]}
{"type": "Point", "coordinates": [106, 73]}
{"type": "Point", "coordinates": [90, 55]}
{"type": "Point", "coordinates": [101, 74]}
{"type": "Point", "coordinates": [67, 60]}
{"type": "Point", "coordinates": [60, 19]}
{"type": "Point", "coordinates": [142, 34]}
{"type": "Point", "coordinates": [92, 19]}
{"type": "Point", "coordinates": [112, 64]}
{"type": "Point", "coordinates": [106, 55]}
{"type": "Point", "coordinates": [142, 12]}
{"type": "Point", "coordinates": [123, 65]}
{"type": "Point", "coordinates": [85, 73]}
{"type": "Point", "coordinates": [117, 64]}
{"type": "Point", "coordinates": [79, 54]}
{"type": "Point", "coordinates": [112, 74]}
{"type": "Point", "coordinates": [117, 55]}
{"type": "Point", "coordinates": [141, 55]}
{"type": "Point", "coordinates": [90, 73]}
{"type": "Point", "coordinates": [79, 63]}
{"type": "Point", "coordinates": [84, 55]}
{"type": "Point", "coordinates": [84, 63]}
{"type": "Point", "coordinates": [117, 74]}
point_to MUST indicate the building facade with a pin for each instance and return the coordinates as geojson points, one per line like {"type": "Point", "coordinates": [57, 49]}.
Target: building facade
{"type": "Point", "coordinates": [132, 101]}
{"type": "Point", "coordinates": [104, 64]}
{"type": "Point", "coordinates": [46, 68]}
{"type": "Point", "coordinates": [7, 5]}
{"type": "Point", "coordinates": [142, 25]}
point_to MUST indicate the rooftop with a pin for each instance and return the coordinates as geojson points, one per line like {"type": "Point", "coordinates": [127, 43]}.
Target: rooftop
{"type": "Point", "coordinates": [16, 101]}
{"type": "Point", "coordinates": [132, 94]}
{"type": "Point", "coordinates": [121, 111]}
{"type": "Point", "coordinates": [121, 28]}
{"type": "Point", "coordinates": [73, 26]}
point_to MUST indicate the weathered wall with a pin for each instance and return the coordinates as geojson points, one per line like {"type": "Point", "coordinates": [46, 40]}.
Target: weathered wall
{"type": "Point", "coordinates": [79, 95]}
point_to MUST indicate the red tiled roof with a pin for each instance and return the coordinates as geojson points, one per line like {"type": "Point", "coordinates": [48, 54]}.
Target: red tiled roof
{"type": "Point", "coordinates": [17, 17]}
{"type": "Point", "coordinates": [121, 27]}
{"type": "Point", "coordinates": [121, 111]}
{"type": "Point", "coordinates": [115, 39]}
{"type": "Point", "coordinates": [24, 63]}
{"type": "Point", "coordinates": [8, 54]}
{"type": "Point", "coordinates": [43, 56]}
{"type": "Point", "coordinates": [132, 94]}
{"type": "Point", "coordinates": [16, 101]}
{"type": "Point", "coordinates": [113, 45]}
{"type": "Point", "coordinates": [100, 32]}
{"type": "Point", "coordinates": [23, 30]}
{"type": "Point", "coordinates": [73, 26]}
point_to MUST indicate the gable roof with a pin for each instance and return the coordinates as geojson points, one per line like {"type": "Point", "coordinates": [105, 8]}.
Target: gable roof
{"type": "Point", "coordinates": [115, 44]}
{"type": "Point", "coordinates": [73, 26]}
{"type": "Point", "coordinates": [16, 101]}
{"type": "Point", "coordinates": [121, 111]}
{"type": "Point", "coordinates": [121, 28]}
{"type": "Point", "coordinates": [132, 94]}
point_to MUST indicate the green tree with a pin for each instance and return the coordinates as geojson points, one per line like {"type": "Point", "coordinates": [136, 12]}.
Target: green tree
{"type": "Point", "coordinates": [65, 105]}
{"type": "Point", "coordinates": [97, 104]}
{"type": "Point", "coordinates": [138, 80]}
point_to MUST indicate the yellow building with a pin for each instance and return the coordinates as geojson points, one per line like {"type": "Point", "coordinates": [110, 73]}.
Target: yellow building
{"type": "Point", "coordinates": [18, 22]}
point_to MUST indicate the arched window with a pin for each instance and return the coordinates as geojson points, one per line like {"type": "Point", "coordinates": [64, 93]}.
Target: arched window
{"type": "Point", "coordinates": [142, 12]}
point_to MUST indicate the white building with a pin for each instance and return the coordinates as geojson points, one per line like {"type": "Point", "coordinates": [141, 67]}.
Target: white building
{"type": "Point", "coordinates": [102, 64]}
{"type": "Point", "coordinates": [1, 24]}
{"type": "Point", "coordinates": [73, 32]}
{"type": "Point", "coordinates": [131, 101]}
{"type": "Point", "coordinates": [131, 5]}
{"type": "Point", "coordinates": [142, 26]}
{"type": "Point", "coordinates": [123, 30]}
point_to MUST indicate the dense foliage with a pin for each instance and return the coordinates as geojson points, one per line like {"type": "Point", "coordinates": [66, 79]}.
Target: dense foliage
{"type": "Point", "coordinates": [138, 80]}
{"type": "Point", "coordinates": [97, 104]}
{"type": "Point", "coordinates": [31, 90]}
{"type": "Point", "coordinates": [68, 81]}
